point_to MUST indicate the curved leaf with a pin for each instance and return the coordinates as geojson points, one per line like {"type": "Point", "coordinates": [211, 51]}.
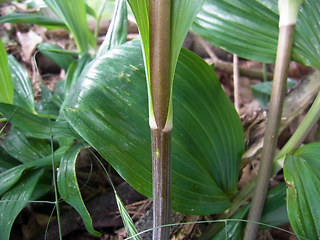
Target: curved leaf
{"type": "Point", "coordinates": [57, 54]}
{"type": "Point", "coordinates": [10, 177]}
{"type": "Point", "coordinates": [15, 200]}
{"type": "Point", "coordinates": [73, 14]}
{"type": "Point", "coordinates": [6, 161]}
{"type": "Point", "coordinates": [69, 189]}
{"type": "Point", "coordinates": [33, 125]}
{"type": "Point", "coordinates": [250, 29]}
{"type": "Point", "coordinates": [108, 108]}
{"type": "Point", "coordinates": [118, 29]}
{"type": "Point", "coordinates": [33, 19]}
{"type": "Point", "coordinates": [6, 90]}
{"type": "Point", "coordinates": [25, 149]}
{"type": "Point", "coordinates": [302, 175]}
{"type": "Point", "coordinates": [23, 92]}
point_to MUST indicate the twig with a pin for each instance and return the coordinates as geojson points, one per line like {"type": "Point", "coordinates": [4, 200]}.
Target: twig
{"type": "Point", "coordinates": [228, 67]}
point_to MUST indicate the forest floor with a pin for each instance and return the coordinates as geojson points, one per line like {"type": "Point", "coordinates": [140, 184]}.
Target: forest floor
{"type": "Point", "coordinates": [21, 41]}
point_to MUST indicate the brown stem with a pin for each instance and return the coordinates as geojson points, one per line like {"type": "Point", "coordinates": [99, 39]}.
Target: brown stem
{"type": "Point", "coordinates": [161, 143]}
{"type": "Point", "coordinates": [236, 83]}
{"type": "Point", "coordinates": [159, 15]}
{"type": "Point", "coordinates": [270, 140]}
{"type": "Point", "coordinates": [159, 25]}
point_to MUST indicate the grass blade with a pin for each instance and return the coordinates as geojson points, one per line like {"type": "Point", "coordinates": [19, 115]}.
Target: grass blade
{"type": "Point", "coordinates": [6, 90]}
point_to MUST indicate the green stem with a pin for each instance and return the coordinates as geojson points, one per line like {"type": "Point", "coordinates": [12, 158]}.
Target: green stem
{"type": "Point", "coordinates": [301, 133]}
{"type": "Point", "coordinates": [159, 25]}
{"type": "Point", "coordinates": [270, 140]}
{"type": "Point", "coordinates": [264, 72]}
{"type": "Point", "coordinates": [96, 29]}
{"type": "Point", "coordinates": [55, 190]}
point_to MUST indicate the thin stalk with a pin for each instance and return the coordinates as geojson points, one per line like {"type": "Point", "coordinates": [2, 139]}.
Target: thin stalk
{"type": "Point", "coordinates": [96, 29]}
{"type": "Point", "coordinates": [285, 41]}
{"type": "Point", "coordinates": [264, 72]}
{"type": "Point", "coordinates": [55, 190]}
{"type": "Point", "coordinates": [159, 25]}
{"type": "Point", "coordinates": [236, 82]}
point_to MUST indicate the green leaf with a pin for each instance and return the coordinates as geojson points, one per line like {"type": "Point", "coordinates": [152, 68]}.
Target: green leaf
{"type": "Point", "coordinates": [57, 54]}
{"type": "Point", "coordinates": [25, 149]}
{"type": "Point", "coordinates": [75, 70]}
{"type": "Point", "coordinates": [274, 213]}
{"type": "Point", "coordinates": [15, 200]}
{"type": "Point", "coordinates": [6, 161]}
{"type": "Point", "coordinates": [118, 28]}
{"type": "Point", "coordinates": [250, 29]}
{"type": "Point", "coordinates": [275, 209]}
{"type": "Point", "coordinates": [6, 90]}
{"type": "Point", "coordinates": [207, 140]}
{"type": "Point", "coordinates": [302, 175]}
{"type": "Point", "coordinates": [10, 177]}
{"type": "Point", "coordinates": [69, 188]}
{"type": "Point", "coordinates": [23, 92]}
{"type": "Point", "coordinates": [232, 229]}
{"type": "Point", "coordinates": [33, 19]}
{"type": "Point", "coordinates": [262, 91]}
{"type": "Point", "coordinates": [46, 105]}
{"type": "Point", "coordinates": [73, 14]}
{"type": "Point", "coordinates": [126, 219]}
{"type": "Point", "coordinates": [33, 125]}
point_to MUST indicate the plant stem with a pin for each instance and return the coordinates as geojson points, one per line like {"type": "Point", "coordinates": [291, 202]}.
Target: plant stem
{"type": "Point", "coordinates": [159, 21]}
{"type": "Point", "coordinates": [236, 82]}
{"type": "Point", "coordinates": [100, 12]}
{"type": "Point", "coordinates": [159, 25]}
{"type": "Point", "coordinates": [270, 140]}
{"type": "Point", "coordinates": [161, 145]}
{"type": "Point", "coordinates": [302, 131]}
{"type": "Point", "coordinates": [54, 180]}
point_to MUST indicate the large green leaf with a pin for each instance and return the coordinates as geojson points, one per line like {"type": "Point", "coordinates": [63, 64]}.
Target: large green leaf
{"type": "Point", "coordinates": [108, 108]}
{"type": "Point", "coordinates": [69, 188]}
{"type": "Point", "coordinates": [23, 92]}
{"type": "Point", "coordinates": [73, 14]}
{"type": "Point", "coordinates": [250, 29]}
{"type": "Point", "coordinates": [15, 200]}
{"type": "Point", "coordinates": [302, 175]}
{"type": "Point", "coordinates": [6, 90]}
{"type": "Point", "coordinates": [33, 19]}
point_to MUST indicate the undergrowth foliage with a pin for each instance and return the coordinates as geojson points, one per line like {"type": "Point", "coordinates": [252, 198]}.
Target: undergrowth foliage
{"type": "Point", "coordinates": [103, 103]}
